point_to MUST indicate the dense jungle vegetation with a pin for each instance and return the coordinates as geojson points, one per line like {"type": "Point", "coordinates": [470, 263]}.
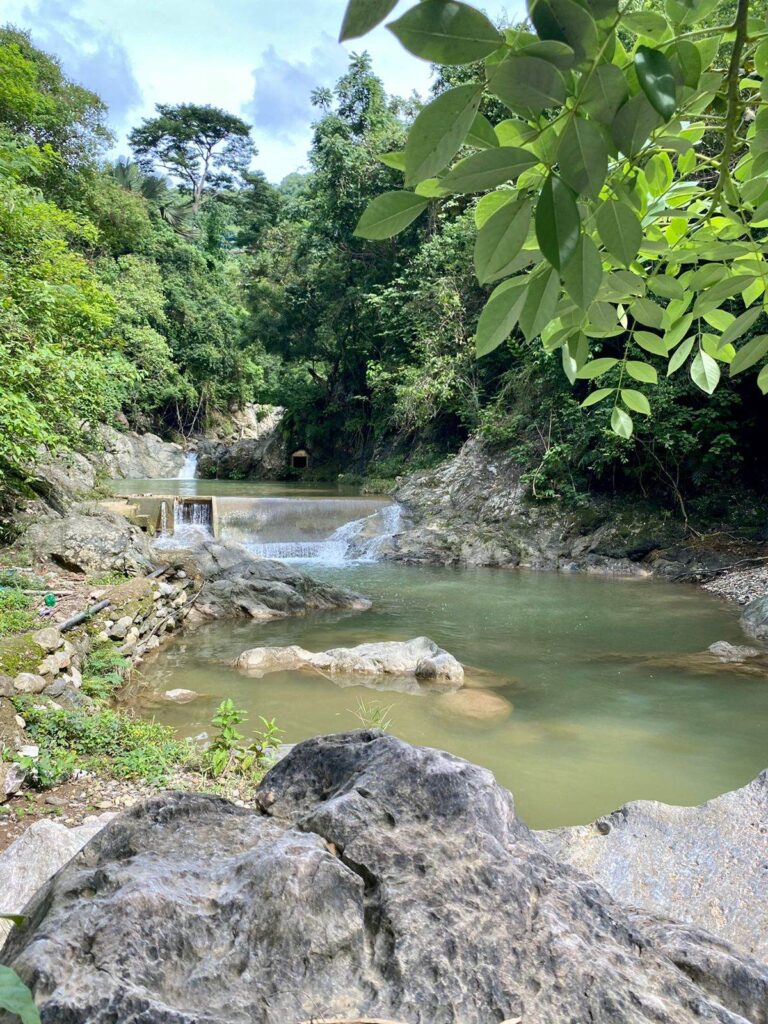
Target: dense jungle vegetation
{"type": "Point", "coordinates": [176, 282]}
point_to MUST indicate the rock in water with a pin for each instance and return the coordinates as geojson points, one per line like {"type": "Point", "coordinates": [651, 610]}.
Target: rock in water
{"type": "Point", "coordinates": [378, 879]}
{"type": "Point", "coordinates": [420, 657]}
{"type": "Point", "coordinates": [706, 866]}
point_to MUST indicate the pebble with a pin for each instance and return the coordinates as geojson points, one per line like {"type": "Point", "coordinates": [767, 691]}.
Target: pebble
{"type": "Point", "coordinates": [740, 585]}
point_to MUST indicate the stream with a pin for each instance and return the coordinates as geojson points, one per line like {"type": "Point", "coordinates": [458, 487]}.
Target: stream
{"type": "Point", "coordinates": [603, 707]}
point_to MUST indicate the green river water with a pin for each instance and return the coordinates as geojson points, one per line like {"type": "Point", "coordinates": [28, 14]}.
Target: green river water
{"type": "Point", "coordinates": [604, 710]}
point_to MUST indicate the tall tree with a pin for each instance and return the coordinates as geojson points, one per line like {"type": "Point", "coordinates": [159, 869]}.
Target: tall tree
{"type": "Point", "coordinates": [202, 147]}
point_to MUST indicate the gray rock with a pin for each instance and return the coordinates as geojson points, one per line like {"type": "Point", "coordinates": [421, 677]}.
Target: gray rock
{"type": "Point", "coordinates": [180, 696]}
{"type": "Point", "coordinates": [236, 583]}
{"type": "Point", "coordinates": [474, 509]}
{"type": "Point", "coordinates": [377, 879]}
{"type": "Point", "coordinates": [50, 639]}
{"type": "Point", "coordinates": [420, 657]}
{"type": "Point", "coordinates": [754, 618]}
{"type": "Point", "coordinates": [736, 653]}
{"type": "Point", "coordinates": [6, 686]}
{"type": "Point", "coordinates": [259, 455]}
{"type": "Point", "coordinates": [29, 682]}
{"type": "Point", "coordinates": [103, 542]}
{"type": "Point", "coordinates": [36, 856]}
{"type": "Point", "coordinates": [706, 866]}
{"type": "Point", "coordinates": [127, 454]}
{"type": "Point", "coordinates": [11, 780]}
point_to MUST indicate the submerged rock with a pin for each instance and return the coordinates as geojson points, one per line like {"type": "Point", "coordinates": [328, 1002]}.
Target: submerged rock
{"type": "Point", "coordinates": [421, 658]}
{"type": "Point", "coordinates": [376, 880]}
{"type": "Point", "coordinates": [473, 705]}
{"type": "Point", "coordinates": [706, 866]}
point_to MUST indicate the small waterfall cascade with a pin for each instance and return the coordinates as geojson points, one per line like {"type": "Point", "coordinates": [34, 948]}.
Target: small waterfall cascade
{"type": "Point", "coordinates": [163, 518]}
{"type": "Point", "coordinates": [329, 531]}
{"type": "Point", "coordinates": [192, 522]}
{"type": "Point", "coordinates": [189, 469]}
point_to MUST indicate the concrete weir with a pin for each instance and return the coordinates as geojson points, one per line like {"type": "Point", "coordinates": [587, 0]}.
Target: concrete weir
{"type": "Point", "coordinates": [165, 515]}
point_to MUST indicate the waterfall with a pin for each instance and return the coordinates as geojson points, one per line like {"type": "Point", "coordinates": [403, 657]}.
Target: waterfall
{"type": "Point", "coordinates": [328, 531]}
{"type": "Point", "coordinates": [192, 522]}
{"type": "Point", "coordinates": [189, 470]}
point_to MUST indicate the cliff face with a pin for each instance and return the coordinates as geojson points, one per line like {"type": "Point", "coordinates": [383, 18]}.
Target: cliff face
{"type": "Point", "coordinates": [474, 510]}
{"type": "Point", "coordinates": [249, 446]}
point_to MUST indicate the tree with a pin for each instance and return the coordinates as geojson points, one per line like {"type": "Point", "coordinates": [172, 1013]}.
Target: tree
{"type": "Point", "coordinates": [624, 197]}
{"type": "Point", "coordinates": [201, 146]}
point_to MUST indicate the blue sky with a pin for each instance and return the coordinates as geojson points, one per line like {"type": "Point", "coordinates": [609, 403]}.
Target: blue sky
{"type": "Point", "coordinates": [257, 58]}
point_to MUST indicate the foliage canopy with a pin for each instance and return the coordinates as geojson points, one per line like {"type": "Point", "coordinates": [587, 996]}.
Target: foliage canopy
{"type": "Point", "coordinates": [624, 196]}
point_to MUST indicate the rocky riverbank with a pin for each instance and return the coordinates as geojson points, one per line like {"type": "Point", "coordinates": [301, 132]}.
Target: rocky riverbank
{"type": "Point", "coordinates": [474, 510]}
{"type": "Point", "coordinates": [371, 879]}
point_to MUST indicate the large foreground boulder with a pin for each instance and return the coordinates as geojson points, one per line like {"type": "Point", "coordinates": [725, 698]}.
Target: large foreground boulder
{"type": "Point", "coordinates": [420, 658]}
{"type": "Point", "coordinates": [706, 866]}
{"type": "Point", "coordinates": [376, 879]}
{"type": "Point", "coordinates": [233, 582]}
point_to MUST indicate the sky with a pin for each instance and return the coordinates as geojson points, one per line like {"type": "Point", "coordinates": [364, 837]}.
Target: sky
{"type": "Point", "coordinates": [259, 59]}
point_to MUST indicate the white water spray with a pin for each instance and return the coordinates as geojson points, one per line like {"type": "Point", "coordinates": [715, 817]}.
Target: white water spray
{"type": "Point", "coordinates": [189, 469]}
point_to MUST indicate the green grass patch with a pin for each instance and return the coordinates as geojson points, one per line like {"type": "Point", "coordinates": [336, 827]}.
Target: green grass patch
{"type": "Point", "coordinates": [110, 743]}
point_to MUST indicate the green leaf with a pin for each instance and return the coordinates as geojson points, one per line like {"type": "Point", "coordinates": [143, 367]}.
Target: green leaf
{"type": "Point", "coordinates": [540, 303]}
{"type": "Point", "coordinates": [604, 93]}
{"type": "Point", "coordinates": [558, 224]}
{"type": "Point", "coordinates": [488, 205]}
{"type": "Point", "coordinates": [439, 131]}
{"type": "Point", "coordinates": [446, 32]}
{"type": "Point", "coordinates": [557, 53]}
{"type": "Point", "coordinates": [583, 157]}
{"type": "Point", "coordinates": [500, 315]}
{"type": "Point", "coordinates": [620, 230]}
{"type": "Point", "coordinates": [680, 356]}
{"type": "Point", "coordinates": [596, 368]}
{"type": "Point", "coordinates": [431, 188]}
{"type": "Point", "coordinates": [705, 373]}
{"type": "Point", "coordinates": [740, 326]}
{"type": "Point", "coordinates": [641, 371]}
{"type": "Point", "coordinates": [762, 380]}
{"type": "Point", "coordinates": [749, 354]}
{"type": "Point", "coordinates": [651, 343]}
{"type": "Point", "coordinates": [666, 287]}
{"type": "Point", "coordinates": [486, 170]}
{"type": "Point", "coordinates": [657, 80]}
{"type": "Point", "coordinates": [395, 159]}
{"type": "Point", "coordinates": [633, 124]}
{"type": "Point", "coordinates": [621, 423]}
{"type": "Point", "coordinates": [16, 997]}
{"type": "Point", "coordinates": [636, 401]}
{"type": "Point", "coordinates": [713, 295]}
{"type": "Point", "coordinates": [363, 15]}
{"type": "Point", "coordinates": [566, 21]}
{"type": "Point", "coordinates": [389, 213]}
{"type": "Point", "coordinates": [689, 58]}
{"type": "Point", "coordinates": [575, 352]}
{"type": "Point", "coordinates": [481, 134]}
{"type": "Point", "coordinates": [597, 396]}
{"type": "Point", "coordinates": [583, 273]}
{"type": "Point", "coordinates": [500, 239]}
{"type": "Point", "coordinates": [527, 85]}
{"type": "Point", "coordinates": [645, 311]}
{"type": "Point", "coordinates": [646, 23]}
